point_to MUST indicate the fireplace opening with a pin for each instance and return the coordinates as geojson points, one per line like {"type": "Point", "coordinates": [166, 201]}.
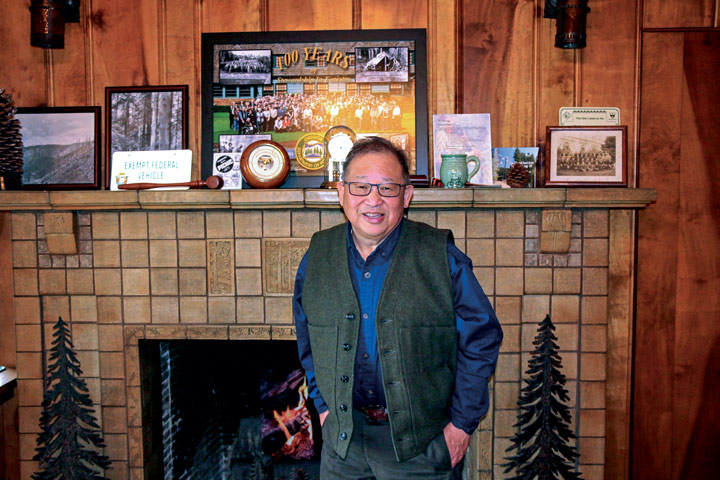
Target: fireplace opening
{"type": "Point", "coordinates": [227, 410]}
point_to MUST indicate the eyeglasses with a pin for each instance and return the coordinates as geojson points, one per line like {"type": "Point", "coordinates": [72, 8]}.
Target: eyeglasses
{"type": "Point", "coordinates": [362, 189]}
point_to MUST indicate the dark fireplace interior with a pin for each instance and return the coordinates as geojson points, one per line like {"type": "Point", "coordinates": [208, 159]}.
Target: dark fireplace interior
{"type": "Point", "coordinates": [227, 410]}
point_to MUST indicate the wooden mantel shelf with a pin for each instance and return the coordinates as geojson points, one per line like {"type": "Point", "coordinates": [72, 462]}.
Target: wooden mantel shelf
{"type": "Point", "coordinates": [624, 198]}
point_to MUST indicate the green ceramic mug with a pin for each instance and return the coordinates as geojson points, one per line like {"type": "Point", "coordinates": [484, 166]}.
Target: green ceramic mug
{"type": "Point", "coordinates": [454, 169]}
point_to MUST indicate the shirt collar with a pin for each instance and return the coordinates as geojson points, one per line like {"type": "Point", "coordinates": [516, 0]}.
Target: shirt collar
{"type": "Point", "coordinates": [386, 247]}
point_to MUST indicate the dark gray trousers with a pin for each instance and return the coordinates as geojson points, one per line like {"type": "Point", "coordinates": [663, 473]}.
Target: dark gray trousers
{"type": "Point", "coordinates": [371, 457]}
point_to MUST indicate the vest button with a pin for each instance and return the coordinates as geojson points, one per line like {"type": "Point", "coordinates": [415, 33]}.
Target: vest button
{"type": "Point", "coordinates": [343, 407]}
{"type": "Point", "coordinates": [346, 347]}
{"type": "Point", "coordinates": [343, 436]}
{"type": "Point", "coordinates": [350, 316]}
{"type": "Point", "coordinates": [344, 379]}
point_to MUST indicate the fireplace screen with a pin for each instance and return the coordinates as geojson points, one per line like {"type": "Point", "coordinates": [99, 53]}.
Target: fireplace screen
{"type": "Point", "coordinates": [227, 410]}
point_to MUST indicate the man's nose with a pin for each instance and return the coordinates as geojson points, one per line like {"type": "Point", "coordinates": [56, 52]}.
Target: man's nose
{"type": "Point", "coordinates": [374, 197]}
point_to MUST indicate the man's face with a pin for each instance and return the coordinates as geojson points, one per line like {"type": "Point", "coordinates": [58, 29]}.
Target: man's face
{"type": "Point", "coordinates": [373, 217]}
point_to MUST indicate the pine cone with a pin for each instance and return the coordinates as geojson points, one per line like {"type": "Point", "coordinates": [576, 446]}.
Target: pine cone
{"type": "Point", "coordinates": [518, 175]}
{"type": "Point", "coordinates": [11, 154]}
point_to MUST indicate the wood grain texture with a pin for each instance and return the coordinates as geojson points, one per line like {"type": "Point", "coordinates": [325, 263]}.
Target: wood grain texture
{"type": "Point", "coordinates": [497, 71]}
{"type": "Point", "coordinates": [676, 429]}
{"type": "Point", "coordinates": [696, 425]}
{"type": "Point", "coordinates": [230, 15]}
{"type": "Point", "coordinates": [556, 79]}
{"type": "Point", "coordinates": [23, 73]}
{"type": "Point", "coordinates": [621, 275]}
{"type": "Point", "coordinates": [657, 273]}
{"type": "Point", "coordinates": [182, 37]}
{"type": "Point", "coordinates": [396, 14]}
{"type": "Point", "coordinates": [124, 44]}
{"type": "Point", "coordinates": [310, 14]}
{"type": "Point", "coordinates": [608, 72]}
{"type": "Point", "coordinates": [679, 13]}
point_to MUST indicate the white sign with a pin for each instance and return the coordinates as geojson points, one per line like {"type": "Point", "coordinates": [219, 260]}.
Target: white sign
{"type": "Point", "coordinates": [578, 117]}
{"type": "Point", "coordinates": [161, 166]}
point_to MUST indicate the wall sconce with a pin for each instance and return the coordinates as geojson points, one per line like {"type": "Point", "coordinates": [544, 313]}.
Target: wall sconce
{"type": "Point", "coordinates": [47, 24]}
{"type": "Point", "coordinates": [571, 19]}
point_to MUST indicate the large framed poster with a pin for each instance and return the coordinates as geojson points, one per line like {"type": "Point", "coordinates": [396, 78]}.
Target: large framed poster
{"type": "Point", "coordinates": [300, 89]}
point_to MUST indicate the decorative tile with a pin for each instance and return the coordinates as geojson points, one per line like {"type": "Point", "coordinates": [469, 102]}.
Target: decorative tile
{"type": "Point", "coordinates": [221, 267]}
{"type": "Point", "coordinates": [281, 258]}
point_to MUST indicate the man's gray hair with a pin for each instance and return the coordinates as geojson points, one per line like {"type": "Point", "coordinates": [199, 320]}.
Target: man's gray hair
{"type": "Point", "coordinates": [377, 145]}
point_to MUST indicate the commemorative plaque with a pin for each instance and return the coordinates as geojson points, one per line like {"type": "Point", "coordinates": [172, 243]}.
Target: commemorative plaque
{"type": "Point", "coordinates": [265, 164]}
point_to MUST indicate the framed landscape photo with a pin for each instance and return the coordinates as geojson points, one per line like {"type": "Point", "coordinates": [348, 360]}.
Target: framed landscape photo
{"type": "Point", "coordinates": [60, 147]}
{"type": "Point", "coordinates": [586, 156]}
{"type": "Point", "coordinates": [146, 118]}
{"type": "Point", "coordinates": [296, 88]}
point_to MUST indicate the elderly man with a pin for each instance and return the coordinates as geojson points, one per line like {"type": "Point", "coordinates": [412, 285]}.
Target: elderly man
{"type": "Point", "coordinates": [395, 334]}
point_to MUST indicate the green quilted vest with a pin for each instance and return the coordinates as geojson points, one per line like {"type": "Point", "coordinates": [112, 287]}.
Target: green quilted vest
{"type": "Point", "coordinates": [416, 335]}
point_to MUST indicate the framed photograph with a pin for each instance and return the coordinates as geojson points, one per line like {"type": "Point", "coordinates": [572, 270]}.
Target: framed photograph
{"type": "Point", "coordinates": [144, 118]}
{"type": "Point", "coordinates": [586, 156]}
{"type": "Point", "coordinates": [60, 147]}
{"type": "Point", "coordinates": [295, 87]}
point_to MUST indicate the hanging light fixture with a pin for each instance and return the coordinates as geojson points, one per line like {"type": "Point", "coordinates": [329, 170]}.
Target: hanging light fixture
{"type": "Point", "coordinates": [47, 24]}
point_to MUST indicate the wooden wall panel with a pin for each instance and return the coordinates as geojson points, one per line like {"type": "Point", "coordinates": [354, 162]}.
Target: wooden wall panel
{"type": "Point", "coordinates": [659, 158]}
{"type": "Point", "coordinates": [678, 13]}
{"type": "Point", "coordinates": [396, 13]}
{"type": "Point", "coordinates": [608, 66]}
{"type": "Point", "coordinates": [677, 393]}
{"type": "Point", "coordinates": [696, 372]}
{"type": "Point", "coordinates": [310, 14]}
{"type": "Point", "coordinates": [70, 80]}
{"type": "Point", "coordinates": [125, 44]}
{"type": "Point", "coordinates": [497, 68]}
{"type": "Point", "coordinates": [23, 73]}
{"type": "Point", "coordinates": [230, 15]}
{"type": "Point", "coordinates": [181, 62]}
{"type": "Point", "coordinates": [556, 78]}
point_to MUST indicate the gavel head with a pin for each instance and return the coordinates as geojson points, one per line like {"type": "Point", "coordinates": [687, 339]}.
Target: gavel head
{"type": "Point", "coordinates": [214, 182]}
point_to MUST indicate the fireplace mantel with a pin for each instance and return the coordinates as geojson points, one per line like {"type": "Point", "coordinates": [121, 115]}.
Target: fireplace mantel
{"type": "Point", "coordinates": [219, 265]}
{"type": "Point", "coordinates": [624, 198]}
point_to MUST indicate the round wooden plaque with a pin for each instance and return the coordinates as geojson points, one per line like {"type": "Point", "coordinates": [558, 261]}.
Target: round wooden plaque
{"type": "Point", "coordinates": [265, 164]}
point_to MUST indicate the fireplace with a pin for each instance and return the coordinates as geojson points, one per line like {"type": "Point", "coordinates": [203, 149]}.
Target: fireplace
{"type": "Point", "coordinates": [230, 410]}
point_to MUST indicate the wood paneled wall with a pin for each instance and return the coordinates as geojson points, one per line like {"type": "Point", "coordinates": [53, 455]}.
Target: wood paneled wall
{"type": "Point", "coordinates": [493, 57]}
{"type": "Point", "coordinates": [677, 348]}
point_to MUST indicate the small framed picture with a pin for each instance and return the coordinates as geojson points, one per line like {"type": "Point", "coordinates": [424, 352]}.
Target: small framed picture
{"type": "Point", "coordinates": [144, 118]}
{"type": "Point", "coordinates": [60, 147]}
{"type": "Point", "coordinates": [586, 156]}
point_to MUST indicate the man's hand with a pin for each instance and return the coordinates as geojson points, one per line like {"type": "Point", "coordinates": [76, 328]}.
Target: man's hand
{"type": "Point", "coordinates": [324, 415]}
{"type": "Point", "coordinates": [457, 442]}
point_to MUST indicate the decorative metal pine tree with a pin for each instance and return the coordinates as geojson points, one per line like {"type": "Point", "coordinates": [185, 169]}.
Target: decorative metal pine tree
{"type": "Point", "coordinates": [543, 451]}
{"type": "Point", "coordinates": [70, 442]}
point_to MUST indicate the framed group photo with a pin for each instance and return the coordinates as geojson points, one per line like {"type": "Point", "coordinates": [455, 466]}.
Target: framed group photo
{"type": "Point", "coordinates": [586, 156]}
{"type": "Point", "coordinates": [307, 91]}
{"type": "Point", "coordinates": [145, 118]}
{"type": "Point", "coordinates": [60, 147]}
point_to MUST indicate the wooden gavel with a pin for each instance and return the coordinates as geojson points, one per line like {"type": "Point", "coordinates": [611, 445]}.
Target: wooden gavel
{"type": "Point", "coordinates": [213, 182]}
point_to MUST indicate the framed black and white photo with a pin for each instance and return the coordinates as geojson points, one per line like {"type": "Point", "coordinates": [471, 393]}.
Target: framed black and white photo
{"type": "Point", "coordinates": [60, 147]}
{"type": "Point", "coordinates": [245, 67]}
{"type": "Point", "coordinates": [381, 64]}
{"type": "Point", "coordinates": [586, 156]}
{"type": "Point", "coordinates": [144, 118]}
{"type": "Point", "coordinates": [295, 87]}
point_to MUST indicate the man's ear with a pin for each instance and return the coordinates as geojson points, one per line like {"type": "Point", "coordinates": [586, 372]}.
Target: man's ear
{"type": "Point", "coordinates": [407, 195]}
{"type": "Point", "coordinates": [341, 192]}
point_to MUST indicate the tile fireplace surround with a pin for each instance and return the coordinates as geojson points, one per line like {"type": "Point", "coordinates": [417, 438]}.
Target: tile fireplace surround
{"type": "Point", "coordinates": [220, 265]}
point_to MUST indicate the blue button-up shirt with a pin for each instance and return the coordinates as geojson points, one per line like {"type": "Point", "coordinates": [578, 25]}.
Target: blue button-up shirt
{"type": "Point", "coordinates": [479, 332]}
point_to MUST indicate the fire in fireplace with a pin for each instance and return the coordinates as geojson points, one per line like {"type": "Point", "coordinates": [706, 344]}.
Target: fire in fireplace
{"type": "Point", "coordinates": [227, 410]}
